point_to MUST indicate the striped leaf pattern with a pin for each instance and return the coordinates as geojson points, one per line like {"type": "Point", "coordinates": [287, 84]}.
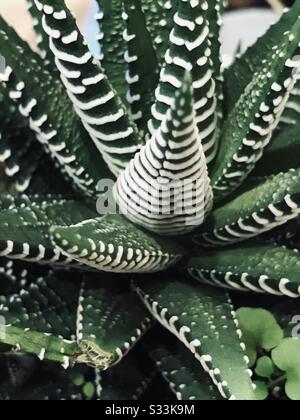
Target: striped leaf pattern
{"type": "Point", "coordinates": [185, 376]}
{"type": "Point", "coordinates": [42, 39]}
{"type": "Point", "coordinates": [266, 206]}
{"type": "Point", "coordinates": [257, 111]}
{"type": "Point", "coordinates": [142, 72]}
{"type": "Point", "coordinates": [19, 150]}
{"type": "Point", "coordinates": [113, 244]}
{"type": "Point", "coordinates": [96, 103]}
{"type": "Point", "coordinates": [159, 16]}
{"type": "Point", "coordinates": [42, 100]}
{"type": "Point", "coordinates": [112, 43]}
{"type": "Point", "coordinates": [54, 318]}
{"type": "Point", "coordinates": [25, 223]}
{"type": "Point", "coordinates": [201, 318]}
{"type": "Point", "coordinates": [190, 50]}
{"type": "Point", "coordinates": [251, 267]}
{"type": "Point", "coordinates": [170, 173]}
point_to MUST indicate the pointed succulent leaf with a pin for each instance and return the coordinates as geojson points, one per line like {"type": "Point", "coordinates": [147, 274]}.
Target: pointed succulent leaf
{"type": "Point", "coordinates": [42, 100]}
{"type": "Point", "coordinates": [170, 172]}
{"type": "Point", "coordinates": [214, 17]}
{"type": "Point", "coordinates": [254, 267]}
{"type": "Point", "coordinates": [17, 143]}
{"type": "Point", "coordinates": [204, 320]}
{"type": "Point", "coordinates": [42, 40]}
{"type": "Point", "coordinates": [142, 72]}
{"type": "Point", "coordinates": [159, 19]}
{"type": "Point", "coordinates": [112, 43]}
{"type": "Point", "coordinates": [42, 316]}
{"type": "Point", "coordinates": [238, 76]}
{"type": "Point", "coordinates": [113, 244]}
{"type": "Point", "coordinates": [282, 154]}
{"type": "Point", "coordinates": [184, 374]}
{"type": "Point", "coordinates": [266, 206]}
{"type": "Point", "coordinates": [190, 50]}
{"type": "Point", "coordinates": [257, 112]}
{"type": "Point", "coordinates": [25, 223]}
{"type": "Point", "coordinates": [96, 103]}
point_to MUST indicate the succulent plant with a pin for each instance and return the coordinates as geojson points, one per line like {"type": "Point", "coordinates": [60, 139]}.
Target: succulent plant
{"type": "Point", "coordinates": [147, 184]}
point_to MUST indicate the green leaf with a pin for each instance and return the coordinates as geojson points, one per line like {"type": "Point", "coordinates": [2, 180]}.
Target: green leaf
{"type": "Point", "coordinates": [240, 73]}
{"type": "Point", "coordinates": [259, 209]}
{"type": "Point", "coordinates": [42, 100]}
{"type": "Point", "coordinates": [159, 19]}
{"type": "Point", "coordinates": [19, 150]}
{"type": "Point", "coordinates": [261, 391]}
{"type": "Point", "coordinates": [105, 317]}
{"type": "Point", "coordinates": [25, 223]}
{"type": "Point", "coordinates": [24, 378]}
{"type": "Point", "coordinates": [286, 357]}
{"type": "Point", "coordinates": [282, 154]}
{"type": "Point", "coordinates": [112, 43]}
{"type": "Point", "coordinates": [96, 103]}
{"type": "Point", "coordinates": [260, 332]}
{"type": "Point", "coordinates": [291, 113]}
{"type": "Point", "coordinates": [203, 319]}
{"type": "Point", "coordinates": [264, 367]}
{"type": "Point", "coordinates": [189, 50]}
{"type": "Point", "coordinates": [185, 376]}
{"type": "Point", "coordinates": [42, 316]}
{"type": "Point", "coordinates": [142, 72]}
{"type": "Point", "coordinates": [256, 113]}
{"type": "Point", "coordinates": [42, 40]}
{"type": "Point", "coordinates": [113, 244]}
{"type": "Point", "coordinates": [254, 267]}
{"type": "Point", "coordinates": [89, 390]}
{"type": "Point", "coordinates": [169, 167]}
{"type": "Point", "coordinates": [126, 381]}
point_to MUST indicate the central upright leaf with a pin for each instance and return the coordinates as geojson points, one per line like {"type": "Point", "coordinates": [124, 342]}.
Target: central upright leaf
{"type": "Point", "coordinates": [166, 187]}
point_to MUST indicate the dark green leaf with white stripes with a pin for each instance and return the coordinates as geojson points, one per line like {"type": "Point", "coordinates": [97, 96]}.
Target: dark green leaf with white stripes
{"type": "Point", "coordinates": [142, 72]}
{"type": "Point", "coordinates": [240, 73]}
{"type": "Point", "coordinates": [17, 143]}
{"type": "Point", "coordinates": [41, 98]}
{"type": "Point", "coordinates": [252, 120]}
{"type": "Point", "coordinates": [259, 209]}
{"type": "Point", "coordinates": [291, 112]}
{"type": "Point", "coordinates": [111, 243]}
{"type": "Point", "coordinates": [204, 320]}
{"type": "Point", "coordinates": [110, 320]}
{"type": "Point", "coordinates": [96, 103]}
{"type": "Point", "coordinates": [112, 43]}
{"type": "Point", "coordinates": [42, 40]}
{"type": "Point", "coordinates": [254, 267]}
{"type": "Point", "coordinates": [25, 223]}
{"type": "Point", "coordinates": [189, 50]}
{"type": "Point", "coordinates": [159, 19]}
{"type": "Point", "coordinates": [282, 154]}
{"type": "Point", "coordinates": [54, 317]}
{"type": "Point", "coordinates": [185, 376]}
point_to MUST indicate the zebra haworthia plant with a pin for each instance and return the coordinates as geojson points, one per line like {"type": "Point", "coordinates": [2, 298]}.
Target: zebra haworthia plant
{"type": "Point", "coordinates": [206, 173]}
